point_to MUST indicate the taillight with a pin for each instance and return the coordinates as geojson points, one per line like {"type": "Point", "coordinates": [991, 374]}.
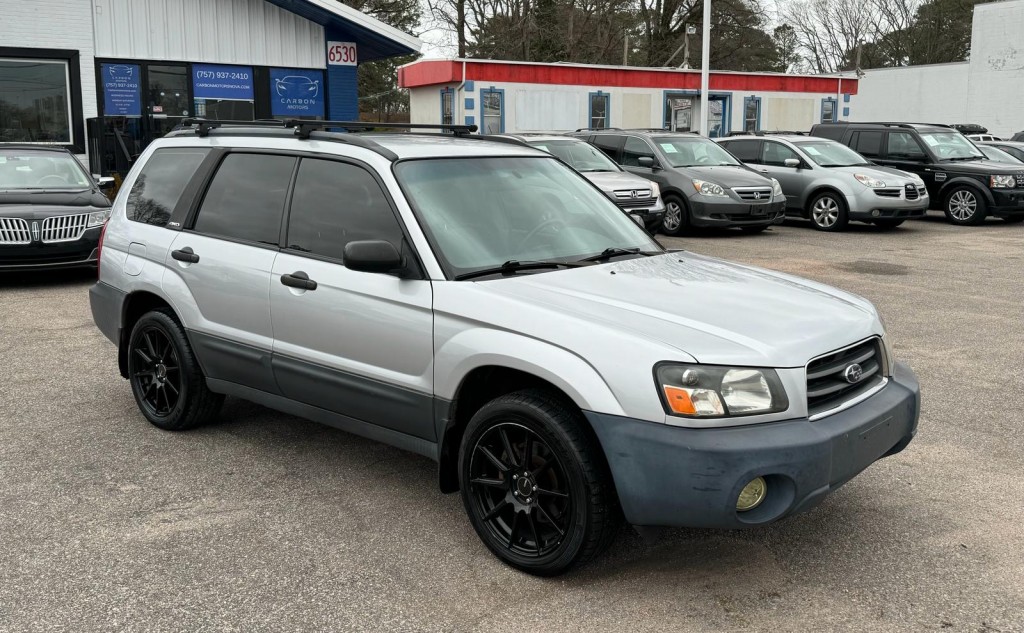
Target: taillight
{"type": "Point", "coordinates": [99, 248]}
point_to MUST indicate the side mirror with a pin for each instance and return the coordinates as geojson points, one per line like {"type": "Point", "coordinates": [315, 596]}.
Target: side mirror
{"type": "Point", "coordinates": [372, 256]}
{"type": "Point", "coordinates": [645, 161]}
{"type": "Point", "coordinates": [791, 162]}
{"type": "Point", "coordinates": [105, 182]}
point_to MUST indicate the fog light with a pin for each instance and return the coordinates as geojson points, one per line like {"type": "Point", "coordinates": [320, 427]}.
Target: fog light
{"type": "Point", "coordinates": [876, 213]}
{"type": "Point", "coordinates": [752, 494]}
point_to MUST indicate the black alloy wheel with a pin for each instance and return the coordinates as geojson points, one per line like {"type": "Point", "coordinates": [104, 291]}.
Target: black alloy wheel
{"type": "Point", "coordinates": [156, 372]}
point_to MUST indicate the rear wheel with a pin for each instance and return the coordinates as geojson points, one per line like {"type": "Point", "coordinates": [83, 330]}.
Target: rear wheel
{"type": "Point", "coordinates": [676, 216]}
{"type": "Point", "coordinates": [828, 212]}
{"type": "Point", "coordinates": [965, 207]}
{"type": "Point", "coordinates": [535, 484]}
{"type": "Point", "coordinates": [887, 224]}
{"type": "Point", "coordinates": [166, 380]}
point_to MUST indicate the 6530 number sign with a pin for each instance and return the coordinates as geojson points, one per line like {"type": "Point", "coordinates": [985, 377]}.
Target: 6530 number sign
{"type": "Point", "coordinates": [341, 53]}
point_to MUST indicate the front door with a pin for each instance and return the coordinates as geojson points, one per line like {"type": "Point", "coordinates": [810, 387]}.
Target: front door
{"type": "Point", "coordinates": [359, 344]}
{"type": "Point", "coordinates": [773, 164]}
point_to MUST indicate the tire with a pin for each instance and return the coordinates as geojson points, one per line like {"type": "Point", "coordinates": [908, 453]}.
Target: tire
{"type": "Point", "coordinates": [964, 206]}
{"type": "Point", "coordinates": [827, 212]}
{"type": "Point", "coordinates": [677, 218]}
{"type": "Point", "coordinates": [753, 229]}
{"type": "Point", "coordinates": [1016, 219]}
{"type": "Point", "coordinates": [574, 516]}
{"type": "Point", "coordinates": [887, 224]}
{"type": "Point", "coordinates": [160, 363]}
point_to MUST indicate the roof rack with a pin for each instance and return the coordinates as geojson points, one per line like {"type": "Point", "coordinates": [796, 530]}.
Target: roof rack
{"type": "Point", "coordinates": [598, 129]}
{"type": "Point", "coordinates": [304, 127]}
{"type": "Point", "coordinates": [203, 126]}
{"type": "Point", "coordinates": [779, 133]}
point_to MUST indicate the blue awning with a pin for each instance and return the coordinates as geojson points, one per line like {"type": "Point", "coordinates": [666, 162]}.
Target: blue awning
{"type": "Point", "coordinates": [374, 39]}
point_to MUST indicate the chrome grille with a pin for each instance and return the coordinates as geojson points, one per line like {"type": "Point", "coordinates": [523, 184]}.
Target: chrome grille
{"type": "Point", "coordinates": [754, 194]}
{"type": "Point", "coordinates": [14, 231]}
{"type": "Point", "coordinates": [630, 194]}
{"type": "Point", "coordinates": [64, 228]}
{"type": "Point", "coordinates": [1020, 180]}
{"type": "Point", "coordinates": [911, 192]}
{"type": "Point", "coordinates": [888, 193]}
{"type": "Point", "coordinates": [828, 385]}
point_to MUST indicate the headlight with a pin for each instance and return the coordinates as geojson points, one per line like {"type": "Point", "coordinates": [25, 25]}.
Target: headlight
{"type": "Point", "coordinates": [705, 188]}
{"type": "Point", "coordinates": [712, 391]}
{"type": "Point", "coordinates": [776, 188]}
{"type": "Point", "coordinates": [655, 190]}
{"type": "Point", "coordinates": [868, 181]}
{"type": "Point", "coordinates": [97, 218]}
{"type": "Point", "coordinates": [1002, 182]}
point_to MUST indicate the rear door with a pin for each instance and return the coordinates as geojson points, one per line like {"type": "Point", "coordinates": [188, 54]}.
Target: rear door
{"type": "Point", "coordinates": [359, 344]}
{"type": "Point", "coordinates": [224, 257]}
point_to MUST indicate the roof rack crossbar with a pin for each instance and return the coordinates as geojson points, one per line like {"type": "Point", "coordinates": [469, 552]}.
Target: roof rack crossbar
{"type": "Point", "coordinates": [203, 126]}
{"type": "Point", "coordinates": [357, 141]}
{"type": "Point", "coordinates": [596, 129]}
{"type": "Point", "coordinates": [304, 127]}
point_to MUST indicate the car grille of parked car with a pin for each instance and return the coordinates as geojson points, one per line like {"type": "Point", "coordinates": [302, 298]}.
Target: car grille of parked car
{"type": "Point", "coordinates": [840, 376]}
{"type": "Point", "coordinates": [911, 192]}
{"type": "Point", "coordinates": [754, 194]}
{"type": "Point", "coordinates": [64, 228]}
{"type": "Point", "coordinates": [634, 198]}
{"type": "Point", "coordinates": [888, 193]}
{"type": "Point", "coordinates": [1020, 180]}
{"type": "Point", "coordinates": [14, 231]}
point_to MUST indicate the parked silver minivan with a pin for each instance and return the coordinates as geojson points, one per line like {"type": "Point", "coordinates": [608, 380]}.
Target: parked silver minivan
{"type": "Point", "coordinates": [829, 183]}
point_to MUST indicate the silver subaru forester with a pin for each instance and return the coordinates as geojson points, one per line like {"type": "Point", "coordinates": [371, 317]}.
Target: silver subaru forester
{"type": "Point", "coordinates": [483, 304]}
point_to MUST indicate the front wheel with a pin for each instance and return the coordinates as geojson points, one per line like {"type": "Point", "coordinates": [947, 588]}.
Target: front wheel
{"type": "Point", "coordinates": [964, 207]}
{"type": "Point", "coordinates": [676, 216]}
{"type": "Point", "coordinates": [535, 484]}
{"type": "Point", "coordinates": [828, 212]}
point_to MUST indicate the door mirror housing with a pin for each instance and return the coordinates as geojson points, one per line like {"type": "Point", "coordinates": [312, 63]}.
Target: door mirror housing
{"type": "Point", "coordinates": [791, 162]}
{"type": "Point", "coordinates": [105, 183]}
{"type": "Point", "coordinates": [646, 161]}
{"type": "Point", "coordinates": [373, 256]}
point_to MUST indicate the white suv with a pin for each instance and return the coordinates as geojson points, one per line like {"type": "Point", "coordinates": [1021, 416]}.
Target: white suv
{"type": "Point", "coordinates": [483, 304]}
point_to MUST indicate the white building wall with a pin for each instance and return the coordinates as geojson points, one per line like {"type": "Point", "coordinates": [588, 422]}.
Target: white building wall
{"type": "Point", "coordinates": [926, 94]}
{"type": "Point", "coordinates": [249, 32]}
{"type": "Point", "coordinates": [995, 97]}
{"type": "Point", "coordinates": [61, 24]}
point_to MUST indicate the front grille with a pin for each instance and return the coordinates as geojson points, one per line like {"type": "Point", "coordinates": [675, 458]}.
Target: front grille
{"type": "Point", "coordinates": [888, 193]}
{"type": "Point", "coordinates": [911, 192]}
{"type": "Point", "coordinates": [64, 228]}
{"type": "Point", "coordinates": [639, 203]}
{"type": "Point", "coordinates": [754, 194]}
{"type": "Point", "coordinates": [827, 384]}
{"type": "Point", "coordinates": [14, 231]}
{"type": "Point", "coordinates": [629, 194]}
{"type": "Point", "coordinates": [1020, 180]}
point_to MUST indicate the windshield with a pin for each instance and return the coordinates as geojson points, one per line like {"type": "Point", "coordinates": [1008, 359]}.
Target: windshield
{"type": "Point", "coordinates": [581, 155]}
{"type": "Point", "coordinates": [994, 153]}
{"type": "Point", "coordinates": [831, 154]}
{"type": "Point", "coordinates": [37, 169]}
{"type": "Point", "coordinates": [951, 145]}
{"type": "Point", "coordinates": [686, 151]}
{"type": "Point", "coordinates": [482, 212]}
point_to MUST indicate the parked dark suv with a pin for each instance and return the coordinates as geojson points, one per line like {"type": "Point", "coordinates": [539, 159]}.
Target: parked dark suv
{"type": "Point", "coordinates": [702, 184]}
{"type": "Point", "coordinates": [51, 209]}
{"type": "Point", "coordinates": [968, 186]}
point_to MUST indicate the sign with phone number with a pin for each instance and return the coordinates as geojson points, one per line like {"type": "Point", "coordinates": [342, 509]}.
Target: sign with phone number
{"type": "Point", "coordinates": [341, 53]}
{"type": "Point", "coordinates": [222, 82]}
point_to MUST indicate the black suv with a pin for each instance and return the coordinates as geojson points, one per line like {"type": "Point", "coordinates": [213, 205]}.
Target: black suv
{"type": "Point", "coordinates": [967, 185]}
{"type": "Point", "coordinates": [702, 184]}
{"type": "Point", "coordinates": [51, 209]}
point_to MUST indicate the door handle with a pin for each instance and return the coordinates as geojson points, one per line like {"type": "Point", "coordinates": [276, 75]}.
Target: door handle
{"type": "Point", "coordinates": [299, 280]}
{"type": "Point", "coordinates": [186, 255]}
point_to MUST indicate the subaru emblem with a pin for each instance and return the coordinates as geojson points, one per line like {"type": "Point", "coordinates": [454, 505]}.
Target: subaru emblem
{"type": "Point", "coordinates": [853, 373]}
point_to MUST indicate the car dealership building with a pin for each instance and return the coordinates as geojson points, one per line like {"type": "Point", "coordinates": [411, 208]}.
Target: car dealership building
{"type": "Point", "coordinates": [106, 77]}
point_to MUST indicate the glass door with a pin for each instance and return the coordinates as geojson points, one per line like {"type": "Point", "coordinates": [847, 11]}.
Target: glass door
{"type": "Point", "coordinates": [167, 98]}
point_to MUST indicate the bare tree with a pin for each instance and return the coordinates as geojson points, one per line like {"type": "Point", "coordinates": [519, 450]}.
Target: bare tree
{"type": "Point", "coordinates": [828, 31]}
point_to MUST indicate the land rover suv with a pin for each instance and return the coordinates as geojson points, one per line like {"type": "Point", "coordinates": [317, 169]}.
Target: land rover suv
{"type": "Point", "coordinates": [702, 185]}
{"type": "Point", "coordinates": [968, 186]}
{"type": "Point", "coordinates": [562, 368]}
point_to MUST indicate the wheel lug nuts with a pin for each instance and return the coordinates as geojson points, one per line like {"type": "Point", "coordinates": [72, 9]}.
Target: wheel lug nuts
{"type": "Point", "coordinates": [515, 476]}
{"type": "Point", "coordinates": [535, 488]}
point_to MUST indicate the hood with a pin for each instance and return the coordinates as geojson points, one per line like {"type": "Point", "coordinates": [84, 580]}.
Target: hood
{"type": "Point", "coordinates": [612, 180]}
{"type": "Point", "coordinates": [728, 177]}
{"type": "Point", "coordinates": [716, 312]}
{"type": "Point", "coordinates": [889, 175]}
{"type": "Point", "coordinates": [41, 204]}
{"type": "Point", "coordinates": [978, 167]}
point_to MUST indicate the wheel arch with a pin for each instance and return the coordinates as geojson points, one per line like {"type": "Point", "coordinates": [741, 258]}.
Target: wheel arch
{"type": "Point", "coordinates": [964, 181]}
{"type": "Point", "coordinates": [135, 305]}
{"type": "Point", "coordinates": [817, 191]}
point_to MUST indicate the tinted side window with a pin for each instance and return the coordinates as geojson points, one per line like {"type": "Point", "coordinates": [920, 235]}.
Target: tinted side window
{"type": "Point", "coordinates": [245, 201]}
{"type": "Point", "coordinates": [161, 182]}
{"type": "Point", "coordinates": [903, 145]}
{"type": "Point", "coordinates": [337, 203]}
{"type": "Point", "coordinates": [633, 150]}
{"type": "Point", "coordinates": [867, 143]}
{"type": "Point", "coordinates": [776, 154]}
{"type": "Point", "coordinates": [608, 143]}
{"type": "Point", "coordinates": [746, 151]}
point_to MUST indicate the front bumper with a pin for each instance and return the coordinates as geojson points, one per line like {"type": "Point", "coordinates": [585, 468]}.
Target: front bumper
{"type": "Point", "coordinates": [672, 476]}
{"type": "Point", "coordinates": [866, 206]}
{"type": "Point", "coordinates": [726, 212]}
{"type": "Point", "coordinates": [37, 255]}
{"type": "Point", "coordinates": [1007, 203]}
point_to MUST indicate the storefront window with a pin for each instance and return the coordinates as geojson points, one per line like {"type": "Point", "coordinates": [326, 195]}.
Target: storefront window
{"type": "Point", "coordinates": [598, 111]}
{"type": "Point", "coordinates": [828, 110]}
{"type": "Point", "coordinates": [493, 110]}
{"type": "Point", "coordinates": [751, 114]}
{"type": "Point", "coordinates": [35, 103]}
{"type": "Point", "coordinates": [447, 117]}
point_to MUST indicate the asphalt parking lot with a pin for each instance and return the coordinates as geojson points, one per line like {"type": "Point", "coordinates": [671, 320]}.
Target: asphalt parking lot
{"type": "Point", "coordinates": [267, 522]}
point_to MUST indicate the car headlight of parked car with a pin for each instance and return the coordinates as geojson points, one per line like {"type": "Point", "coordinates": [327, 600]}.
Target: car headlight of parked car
{"type": "Point", "coordinates": [97, 218]}
{"type": "Point", "coordinates": [655, 190]}
{"type": "Point", "coordinates": [776, 189]}
{"type": "Point", "coordinates": [1002, 182]}
{"type": "Point", "coordinates": [868, 181]}
{"type": "Point", "coordinates": [705, 188]}
{"type": "Point", "coordinates": [713, 391]}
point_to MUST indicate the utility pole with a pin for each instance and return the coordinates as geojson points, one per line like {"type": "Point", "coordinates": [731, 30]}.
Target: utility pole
{"type": "Point", "coordinates": [625, 50]}
{"type": "Point", "coordinates": [687, 32]}
{"type": "Point", "coordinates": [705, 61]}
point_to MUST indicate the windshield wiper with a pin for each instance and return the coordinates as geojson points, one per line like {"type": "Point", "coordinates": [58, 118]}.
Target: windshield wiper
{"type": "Point", "coordinates": [514, 266]}
{"type": "Point", "coordinates": [953, 158]}
{"type": "Point", "coordinates": [615, 251]}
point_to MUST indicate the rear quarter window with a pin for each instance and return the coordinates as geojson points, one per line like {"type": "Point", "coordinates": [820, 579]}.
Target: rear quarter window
{"type": "Point", "coordinates": [159, 185]}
